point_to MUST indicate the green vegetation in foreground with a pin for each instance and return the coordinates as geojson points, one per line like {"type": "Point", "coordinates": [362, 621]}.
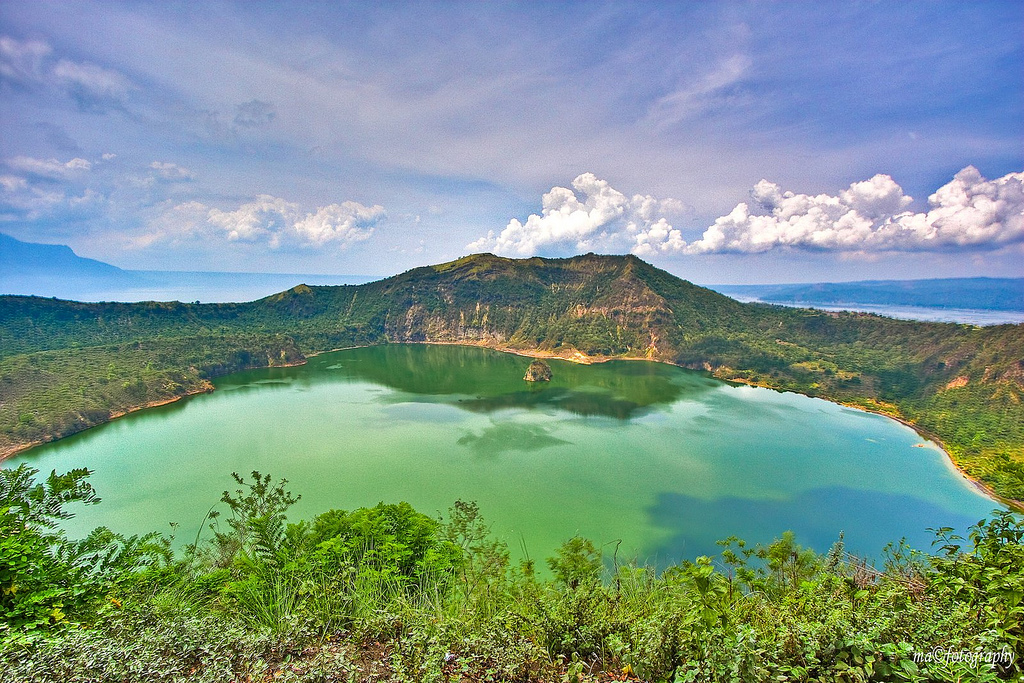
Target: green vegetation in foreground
{"type": "Point", "coordinates": [65, 365]}
{"type": "Point", "coordinates": [387, 593]}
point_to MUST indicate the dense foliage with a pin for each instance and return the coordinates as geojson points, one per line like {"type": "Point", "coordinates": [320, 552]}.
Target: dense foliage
{"type": "Point", "coordinates": [65, 366]}
{"type": "Point", "coordinates": [46, 579]}
{"type": "Point", "coordinates": [387, 593]}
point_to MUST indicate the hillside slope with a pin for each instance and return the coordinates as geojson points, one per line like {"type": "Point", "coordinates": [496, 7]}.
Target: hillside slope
{"type": "Point", "coordinates": [67, 365]}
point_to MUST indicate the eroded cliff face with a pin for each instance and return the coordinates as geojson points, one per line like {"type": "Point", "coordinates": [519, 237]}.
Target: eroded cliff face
{"type": "Point", "coordinates": [591, 306]}
{"type": "Point", "coordinates": [419, 324]}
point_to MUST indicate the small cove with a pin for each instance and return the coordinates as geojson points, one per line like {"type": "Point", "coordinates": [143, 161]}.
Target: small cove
{"type": "Point", "coordinates": [666, 460]}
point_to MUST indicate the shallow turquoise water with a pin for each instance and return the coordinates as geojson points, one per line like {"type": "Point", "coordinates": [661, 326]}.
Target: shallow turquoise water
{"type": "Point", "coordinates": [663, 459]}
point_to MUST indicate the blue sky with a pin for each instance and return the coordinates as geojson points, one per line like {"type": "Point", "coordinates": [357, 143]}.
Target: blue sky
{"type": "Point", "coordinates": [726, 142]}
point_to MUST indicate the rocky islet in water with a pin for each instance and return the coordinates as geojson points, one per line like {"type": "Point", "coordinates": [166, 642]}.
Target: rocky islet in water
{"type": "Point", "coordinates": [539, 371]}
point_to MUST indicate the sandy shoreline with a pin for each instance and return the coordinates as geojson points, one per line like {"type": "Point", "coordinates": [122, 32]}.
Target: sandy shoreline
{"type": "Point", "coordinates": [928, 436]}
{"type": "Point", "coordinates": [574, 356]}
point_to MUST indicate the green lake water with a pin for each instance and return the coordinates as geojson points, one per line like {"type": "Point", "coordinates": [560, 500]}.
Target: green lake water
{"type": "Point", "coordinates": [664, 460]}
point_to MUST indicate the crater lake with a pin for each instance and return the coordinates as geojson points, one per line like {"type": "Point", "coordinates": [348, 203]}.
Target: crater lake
{"type": "Point", "coordinates": [665, 460]}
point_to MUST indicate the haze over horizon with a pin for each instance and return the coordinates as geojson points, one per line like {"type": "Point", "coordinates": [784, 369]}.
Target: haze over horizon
{"type": "Point", "coordinates": [731, 143]}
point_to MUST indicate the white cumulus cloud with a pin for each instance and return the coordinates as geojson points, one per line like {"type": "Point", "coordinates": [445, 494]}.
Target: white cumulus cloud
{"type": "Point", "coordinates": [265, 216]}
{"type": "Point", "coordinates": [969, 211]}
{"type": "Point", "coordinates": [869, 216]}
{"type": "Point", "coordinates": [279, 222]}
{"type": "Point", "coordinates": [346, 223]}
{"type": "Point", "coordinates": [593, 216]}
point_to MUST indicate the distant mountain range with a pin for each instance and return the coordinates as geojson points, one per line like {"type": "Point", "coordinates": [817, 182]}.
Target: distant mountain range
{"type": "Point", "coordinates": [31, 260]}
{"type": "Point", "coordinates": [983, 293]}
{"type": "Point", "coordinates": [55, 270]}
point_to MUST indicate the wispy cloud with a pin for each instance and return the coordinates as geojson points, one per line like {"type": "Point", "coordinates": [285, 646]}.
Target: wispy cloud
{"type": "Point", "coordinates": [480, 109]}
{"type": "Point", "coordinates": [22, 61]}
{"type": "Point", "coordinates": [40, 189]}
{"type": "Point", "coordinates": [698, 96]}
{"type": "Point", "coordinates": [156, 205]}
{"type": "Point", "coordinates": [254, 113]}
{"type": "Point", "coordinates": [31, 64]}
{"type": "Point", "coordinates": [170, 171]}
{"type": "Point", "coordinates": [48, 168]}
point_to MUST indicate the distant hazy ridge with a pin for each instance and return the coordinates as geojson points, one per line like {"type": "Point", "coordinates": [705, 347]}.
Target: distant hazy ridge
{"type": "Point", "coordinates": [54, 270]}
{"type": "Point", "coordinates": [996, 294]}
